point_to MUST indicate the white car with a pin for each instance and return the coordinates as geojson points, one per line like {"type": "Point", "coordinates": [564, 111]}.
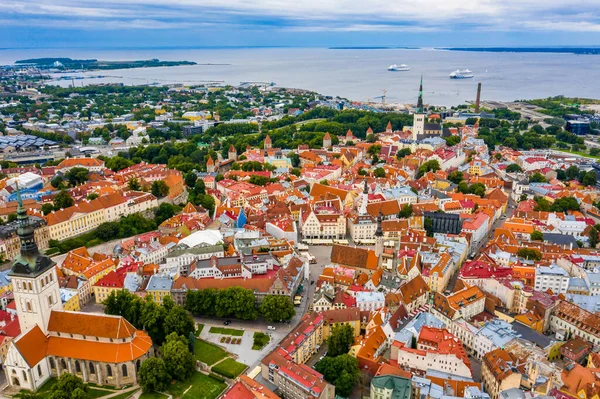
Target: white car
{"type": "Point", "coordinates": [271, 328]}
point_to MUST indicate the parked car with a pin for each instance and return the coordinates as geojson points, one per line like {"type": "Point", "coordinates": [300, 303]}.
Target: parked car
{"type": "Point", "coordinates": [227, 322]}
{"type": "Point", "coordinates": [271, 328]}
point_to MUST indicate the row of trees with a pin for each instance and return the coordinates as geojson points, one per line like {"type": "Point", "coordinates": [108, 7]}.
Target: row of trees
{"type": "Point", "coordinates": [127, 226]}
{"type": "Point", "coordinates": [239, 303]}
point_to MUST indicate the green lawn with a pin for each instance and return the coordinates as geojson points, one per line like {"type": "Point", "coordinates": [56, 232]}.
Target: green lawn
{"type": "Point", "coordinates": [260, 340]}
{"type": "Point", "coordinates": [582, 153]}
{"type": "Point", "coordinates": [226, 331]}
{"type": "Point", "coordinates": [153, 395]}
{"type": "Point", "coordinates": [208, 353]}
{"type": "Point", "coordinates": [202, 387]}
{"type": "Point", "coordinates": [229, 368]}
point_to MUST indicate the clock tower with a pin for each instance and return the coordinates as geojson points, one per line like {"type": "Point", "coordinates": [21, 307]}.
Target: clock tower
{"type": "Point", "coordinates": [33, 277]}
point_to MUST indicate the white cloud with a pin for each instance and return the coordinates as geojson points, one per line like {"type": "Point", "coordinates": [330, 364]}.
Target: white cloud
{"type": "Point", "coordinates": [310, 15]}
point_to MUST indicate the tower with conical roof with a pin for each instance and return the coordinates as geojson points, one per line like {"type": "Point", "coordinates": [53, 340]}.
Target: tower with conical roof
{"type": "Point", "coordinates": [232, 153]}
{"type": "Point", "coordinates": [418, 128]}
{"type": "Point", "coordinates": [33, 277]}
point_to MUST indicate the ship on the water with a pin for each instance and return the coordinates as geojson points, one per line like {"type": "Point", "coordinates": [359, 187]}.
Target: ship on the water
{"type": "Point", "coordinates": [398, 68]}
{"type": "Point", "coordinates": [461, 74]}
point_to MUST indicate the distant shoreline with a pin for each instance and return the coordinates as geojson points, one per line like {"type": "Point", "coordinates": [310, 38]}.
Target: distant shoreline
{"type": "Point", "coordinates": [562, 50]}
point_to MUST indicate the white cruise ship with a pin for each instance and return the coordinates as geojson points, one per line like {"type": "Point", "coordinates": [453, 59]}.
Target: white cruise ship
{"type": "Point", "coordinates": [461, 74]}
{"type": "Point", "coordinates": [398, 68]}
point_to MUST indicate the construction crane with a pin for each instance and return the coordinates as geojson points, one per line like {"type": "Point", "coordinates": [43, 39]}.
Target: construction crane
{"type": "Point", "coordinates": [382, 97]}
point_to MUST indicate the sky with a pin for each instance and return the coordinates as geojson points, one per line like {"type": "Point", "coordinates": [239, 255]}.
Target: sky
{"type": "Point", "coordinates": [198, 23]}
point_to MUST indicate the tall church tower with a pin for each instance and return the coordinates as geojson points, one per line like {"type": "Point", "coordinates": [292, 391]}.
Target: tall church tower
{"type": "Point", "coordinates": [418, 127]}
{"type": "Point", "coordinates": [34, 278]}
{"type": "Point", "coordinates": [379, 236]}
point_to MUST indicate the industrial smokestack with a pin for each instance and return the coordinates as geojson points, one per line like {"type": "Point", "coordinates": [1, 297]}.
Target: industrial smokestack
{"type": "Point", "coordinates": [478, 98]}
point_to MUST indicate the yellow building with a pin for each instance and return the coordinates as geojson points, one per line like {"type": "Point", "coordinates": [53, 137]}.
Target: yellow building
{"type": "Point", "coordinates": [106, 285]}
{"type": "Point", "coordinates": [339, 317]}
{"type": "Point", "coordinates": [70, 300]}
{"type": "Point", "coordinates": [159, 287]}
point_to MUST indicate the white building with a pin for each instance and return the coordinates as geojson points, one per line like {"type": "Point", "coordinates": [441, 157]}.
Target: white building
{"type": "Point", "coordinates": [551, 278]}
{"type": "Point", "coordinates": [370, 300]}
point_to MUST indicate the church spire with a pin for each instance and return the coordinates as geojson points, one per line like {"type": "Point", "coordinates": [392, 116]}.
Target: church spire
{"type": "Point", "coordinates": [420, 108]}
{"type": "Point", "coordinates": [29, 261]}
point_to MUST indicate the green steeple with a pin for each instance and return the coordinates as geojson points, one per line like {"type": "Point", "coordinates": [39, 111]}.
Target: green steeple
{"type": "Point", "coordinates": [30, 261]}
{"type": "Point", "coordinates": [420, 109]}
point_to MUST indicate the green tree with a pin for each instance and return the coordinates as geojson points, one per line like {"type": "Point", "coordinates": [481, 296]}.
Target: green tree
{"type": "Point", "coordinates": [379, 172]}
{"type": "Point", "coordinates": [593, 235]}
{"type": "Point", "coordinates": [542, 204]}
{"type": "Point", "coordinates": [47, 208]}
{"type": "Point", "coordinates": [536, 236]}
{"type": "Point", "coordinates": [341, 371]}
{"type": "Point", "coordinates": [513, 167]}
{"type": "Point", "coordinates": [190, 179]}
{"type": "Point", "coordinates": [572, 172]}
{"type": "Point", "coordinates": [178, 321]}
{"type": "Point", "coordinates": [134, 184]}
{"type": "Point", "coordinates": [429, 166]}
{"type": "Point", "coordinates": [62, 200]}
{"type": "Point", "coordinates": [153, 375]}
{"type": "Point", "coordinates": [277, 308]}
{"type": "Point", "coordinates": [163, 212]}
{"type": "Point", "coordinates": [456, 177]}
{"type": "Point", "coordinates": [258, 180]}
{"type": "Point", "coordinates": [403, 153]}
{"type": "Point", "coordinates": [452, 140]}
{"type": "Point", "coordinates": [374, 150]}
{"type": "Point", "coordinates": [340, 340]}
{"type": "Point", "coordinates": [159, 188]}
{"type": "Point", "coordinates": [589, 179]}
{"type": "Point", "coordinates": [406, 211]}
{"type": "Point", "coordinates": [92, 196]}
{"type": "Point", "coordinates": [118, 163]}
{"type": "Point", "coordinates": [179, 361]}
{"type": "Point", "coordinates": [77, 176]}
{"type": "Point", "coordinates": [564, 204]}
{"type": "Point", "coordinates": [537, 177]}
{"type": "Point", "coordinates": [57, 182]}
{"type": "Point", "coordinates": [68, 386]}
{"type": "Point", "coordinates": [530, 254]}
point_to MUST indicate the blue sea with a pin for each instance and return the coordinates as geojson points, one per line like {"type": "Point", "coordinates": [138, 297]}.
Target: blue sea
{"type": "Point", "coordinates": [356, 74]}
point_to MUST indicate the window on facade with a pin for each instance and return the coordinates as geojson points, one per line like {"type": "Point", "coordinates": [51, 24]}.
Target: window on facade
{"type": "Point", "coordinates": [63, 364]}
{"type": "Point", "coordinates": [77, 366]}
{"type": "Point", "coordinates": [28, 306]}
{"type": "Point", "coordinates": [39, 370]}
{"type": "Point", "coordinates": [124, 369]}
{"type": "Point", "coordinates": [108, 371]}
{"type": "Point", "coordinates": [24, 375]}
{"type": "Point", "coordinates": [52, 365]}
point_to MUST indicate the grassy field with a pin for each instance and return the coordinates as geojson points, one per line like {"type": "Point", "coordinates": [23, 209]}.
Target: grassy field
{"type": "Point", "coordinates": [153, 395]}
{"type": "Point", "coordinates": [581, 153]}
{"type": "Point", "coordinates": [260, 340]}
{"type": "Point", "coordinates": [208, 353]}
{"type": "Point", "coordinates": [202, 386]}
{"type": "Point", "coordinates": [226, 331]}
{"type": "Point", "coordinates": [229, 368]}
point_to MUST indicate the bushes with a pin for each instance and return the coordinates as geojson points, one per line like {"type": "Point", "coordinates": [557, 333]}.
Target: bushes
{"type": "Point", "coordinates": [260, 340]}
